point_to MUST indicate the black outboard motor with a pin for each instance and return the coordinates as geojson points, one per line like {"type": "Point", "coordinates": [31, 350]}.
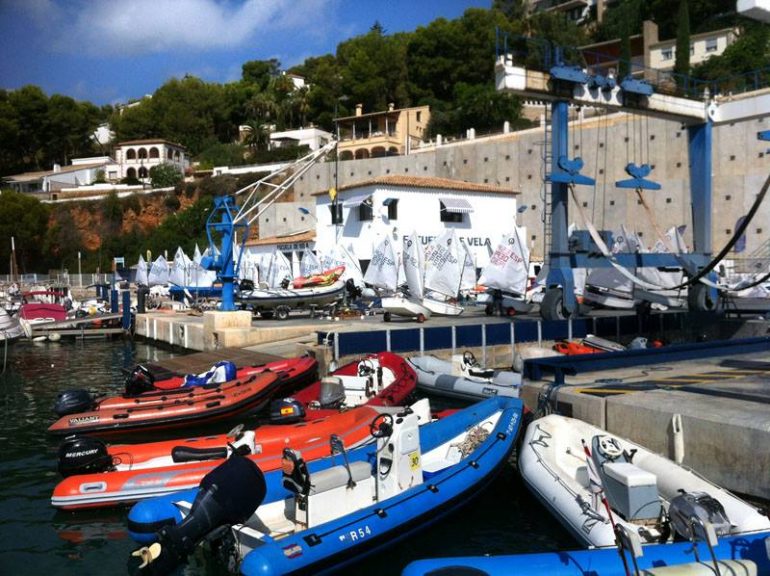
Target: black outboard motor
{"type": "Point", "coordinates": [83, 455]}
{"type": "Point", "coordinates": [246, 285]}
{"type": "Point", "coordinates": [688, 508]}
{"type": "Point", "coordinates": [73, 402]}
{"type": "Point", "coordinates": [286, 411]}
{"type": "Point", "coordinates": [228, 495]}
{"type": "Point", "coordinates": [352, 290]}
{"type": "Point", "coordinates": [139, 380]}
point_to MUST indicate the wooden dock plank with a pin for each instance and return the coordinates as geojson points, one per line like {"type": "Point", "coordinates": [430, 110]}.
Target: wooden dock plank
{"type": "Point", "coordinates": [202, 361]}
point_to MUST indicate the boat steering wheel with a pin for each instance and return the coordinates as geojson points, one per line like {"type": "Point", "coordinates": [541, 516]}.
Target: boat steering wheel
{"type": "Point", "coordinates": [365, 367]}
{"type": "Point", "coordinates": [381, 426]}
{"type": "Point", "coordinates": [610, 447]}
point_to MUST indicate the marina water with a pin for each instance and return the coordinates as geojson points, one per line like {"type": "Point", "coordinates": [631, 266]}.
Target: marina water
{"type": "Point", "coordinates": [36, 539]}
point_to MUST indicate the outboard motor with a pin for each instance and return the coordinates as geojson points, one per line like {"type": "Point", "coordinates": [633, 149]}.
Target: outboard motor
{"type": "Point", "coordinates": [83, 455]}
{"type": "Point", "coordinates": [73, 402]}
{"type": "Point", "coordinates": [352, 290]}
{"type": "Point", "coordinates": [246, 285]}
{"type": "Point", "coordinates": [227, 495]}
{"type": "Point", "coordinates": [140, 380]}
{"type": "Point", "coordinates": [286, 411]}
{"type": "Point", "coordinates": [332, 393]}
{"type": "Point", "coordinates": [685, 510]}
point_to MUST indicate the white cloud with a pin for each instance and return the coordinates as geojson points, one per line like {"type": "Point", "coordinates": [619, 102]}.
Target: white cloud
{"type": "Point", "coordinates": [134, 27]}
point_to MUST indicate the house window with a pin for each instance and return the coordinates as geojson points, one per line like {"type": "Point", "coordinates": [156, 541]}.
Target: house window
{"type": "Point", "coordinates": [667, 53]}
{"type": "Point", "coordinates": [392, 204]}
{"type": "Point", "coordinates": [336, 210]}
{"type": "Point", "coordinates": [419, 116]}
{"type": "Point", "coordinates": [711, 45]}
{"type": "Point", "coordinates": [365, 212]}
{"type": "Point", "coordinates": [451, 216]}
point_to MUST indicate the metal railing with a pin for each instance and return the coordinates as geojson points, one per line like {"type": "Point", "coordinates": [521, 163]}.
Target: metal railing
{"type": "Point", "coordinates": [540, 54]}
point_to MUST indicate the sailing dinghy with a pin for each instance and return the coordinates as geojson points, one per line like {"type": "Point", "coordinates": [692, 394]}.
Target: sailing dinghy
{"type": "Point", "coordinates": [409, 304]}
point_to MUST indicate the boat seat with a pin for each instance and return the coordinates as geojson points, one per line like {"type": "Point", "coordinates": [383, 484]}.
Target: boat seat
{"type": "Point", "coordinates": [581, 476]}
{"type": "Point", "coordinates": [629, 474]}
{"type": "Point", "coordinates": [337, 476]}
{"type": "Point", "coordinates": [726, 568]}
{"type": "Point", "coordinates": [191, 454]}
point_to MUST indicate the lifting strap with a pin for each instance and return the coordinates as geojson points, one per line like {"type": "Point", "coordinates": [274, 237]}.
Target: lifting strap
{"type": "Point", "coordinates": [698, 277]}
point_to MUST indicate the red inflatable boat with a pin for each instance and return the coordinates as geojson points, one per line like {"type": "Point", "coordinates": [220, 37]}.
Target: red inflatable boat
{"type": "Point", "coordinates": [383, 379]}
{"type": "Point", "coordinates": [99, 475]}
{"type": "Point", "coordinates": [176, 407]}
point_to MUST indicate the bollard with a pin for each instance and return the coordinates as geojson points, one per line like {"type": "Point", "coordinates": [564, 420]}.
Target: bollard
{"type": "Point", "coordinates": [126, 323]}
{"type": "Point", "coordinates": [141, 299]}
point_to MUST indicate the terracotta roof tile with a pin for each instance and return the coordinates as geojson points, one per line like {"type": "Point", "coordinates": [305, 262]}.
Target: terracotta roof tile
{"type": "Point", "coordinates": [426, 182]}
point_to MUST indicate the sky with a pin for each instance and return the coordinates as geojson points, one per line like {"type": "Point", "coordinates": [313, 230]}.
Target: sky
{"type": "Point", "coordinates": [113, 51]}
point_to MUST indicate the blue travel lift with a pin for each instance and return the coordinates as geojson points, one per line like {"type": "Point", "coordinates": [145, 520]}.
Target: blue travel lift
{"type": "Point", "coordinates": [559, 301]}
{"type": "Point", "coordinates": [228, 220]}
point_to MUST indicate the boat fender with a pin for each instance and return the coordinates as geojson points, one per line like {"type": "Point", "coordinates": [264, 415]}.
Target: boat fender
{"type": "Point", "coordinates": [83, 455]}
{"type": "Point", "coordinates": [139, 381]}
{"type": "Point", "coordinates": [73, 402]}
{"type": "Point", "coordinates": [228, 495]}
{"type": "Point", "coordinates": [691, 511]}
{"type": "Point", "coordinates": [286, 411]}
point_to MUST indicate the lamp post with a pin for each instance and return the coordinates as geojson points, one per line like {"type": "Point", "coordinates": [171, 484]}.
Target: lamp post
{"type": "Point", "coordinates": [80, 273]}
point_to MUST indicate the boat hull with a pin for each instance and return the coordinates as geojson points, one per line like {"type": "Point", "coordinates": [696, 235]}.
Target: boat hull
{"type": "Point", "coordinates": [604, 562]}
{"type": "Point", "coordinates": [271, 298]}
{"type": "Point", "coordinates": [402, 306]}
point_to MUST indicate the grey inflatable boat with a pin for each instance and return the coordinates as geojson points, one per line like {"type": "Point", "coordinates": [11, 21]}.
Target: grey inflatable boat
{"type": "Point", "coordinates": [463, 378]}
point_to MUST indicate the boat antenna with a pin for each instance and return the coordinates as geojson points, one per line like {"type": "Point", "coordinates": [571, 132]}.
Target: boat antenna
{"type": "Point", "coordinates": [597, 488]}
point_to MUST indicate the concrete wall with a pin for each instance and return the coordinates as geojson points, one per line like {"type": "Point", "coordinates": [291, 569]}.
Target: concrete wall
{"type": "Point", "coordinates": [606, 144]}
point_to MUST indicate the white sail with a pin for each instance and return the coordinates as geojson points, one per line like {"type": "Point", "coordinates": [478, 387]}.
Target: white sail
{"type": "Point", "coordinates": [180, 269]}
{"type": "Point", "coordinates": [341, 256]}
{"type": "Point", "coordinates": [468, 275]}
{"type": "Point", "coordinates": [278, 270]}
{"type": "Point", "coordinates": [383, 267]}
{"type": "Point", "coordinates": [443, 265]}
{"type": "Point", "coordinates": [507, 269]}
{"type": "Point", "coordinates": [158, 272]}
{"type": "Point", "coordinates": [414, 265]}
{"type": "Point", "coordinates": [141, 272]}
{"type": "Point", "coordinates": [310, 263]}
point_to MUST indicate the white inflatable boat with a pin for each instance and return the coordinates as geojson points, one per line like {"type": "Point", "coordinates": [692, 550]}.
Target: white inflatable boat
{"type": "Point", "coordinates": [647, 493]}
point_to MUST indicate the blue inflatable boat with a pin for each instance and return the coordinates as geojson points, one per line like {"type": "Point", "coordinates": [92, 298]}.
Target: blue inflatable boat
{"type": "Point", "coordinates": [316, 518]}
{"type": "Point", "coordinates": [746, 554]}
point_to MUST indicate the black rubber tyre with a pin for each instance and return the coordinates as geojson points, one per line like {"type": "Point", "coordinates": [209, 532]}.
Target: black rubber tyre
{"type": "Point", "coordinates": [282, 312]}
{"type": "Point", "coordinates": [489, 310]}
{"type": "Point", "coordinates": [552, 306]}
{"type": "Point", "coordinates": [699, 299]}
{"type": "Point", "coordinates": [386, 317]}
{"type": "Point", "coordinates": [266, 315]}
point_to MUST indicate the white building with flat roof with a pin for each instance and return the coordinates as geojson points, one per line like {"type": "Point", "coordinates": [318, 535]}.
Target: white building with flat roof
{"type": "Point", "coordinates": [398, 205]}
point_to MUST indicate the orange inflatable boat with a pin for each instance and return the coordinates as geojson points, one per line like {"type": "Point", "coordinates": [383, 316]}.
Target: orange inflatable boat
{"type": "Point", "coordinates": [177, 407]}
{"type": "Point", "coordinates": [99, 475]}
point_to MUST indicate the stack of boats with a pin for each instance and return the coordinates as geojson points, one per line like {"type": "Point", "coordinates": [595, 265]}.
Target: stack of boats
{"type": "Point", "coordinates": [343, 465]}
